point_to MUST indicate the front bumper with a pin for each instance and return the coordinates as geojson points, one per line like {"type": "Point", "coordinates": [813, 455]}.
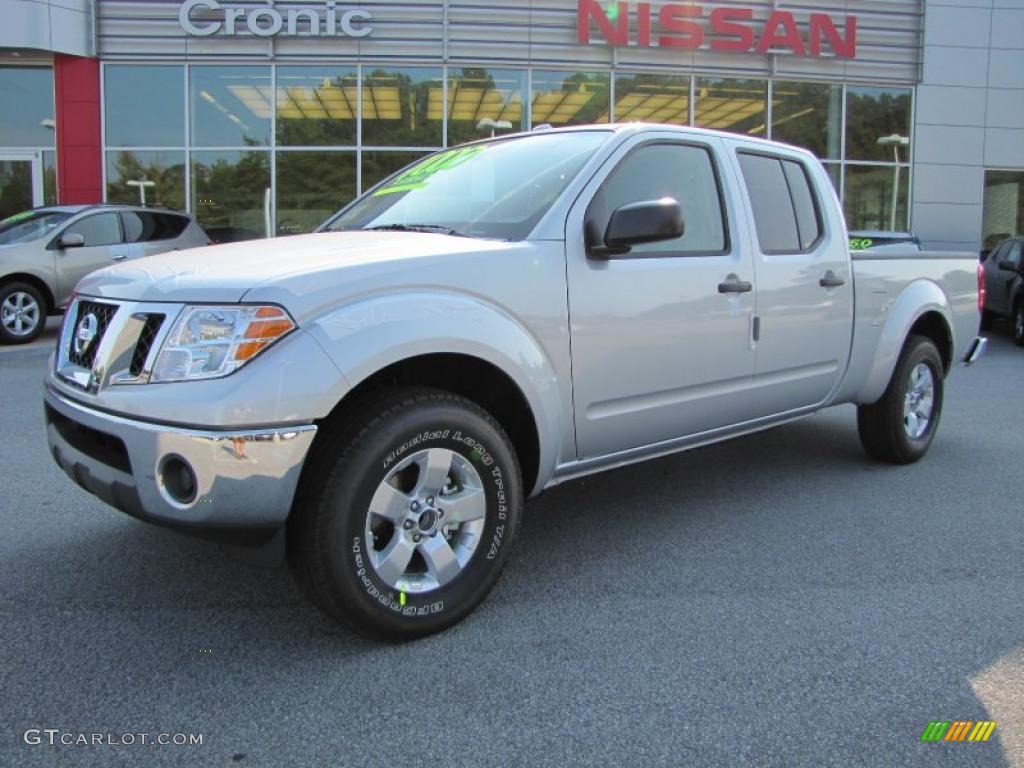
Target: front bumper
{"type": "Point", "coordinates": [244, 480]}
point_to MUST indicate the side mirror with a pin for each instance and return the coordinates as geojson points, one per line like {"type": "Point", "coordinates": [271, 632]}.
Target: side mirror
{"type": "Point", "coordinates": [646, 221]}
{"type": "Point", "coordinates": [1008, 266]}
{"type": "Point", "coordinates": [71, 240]}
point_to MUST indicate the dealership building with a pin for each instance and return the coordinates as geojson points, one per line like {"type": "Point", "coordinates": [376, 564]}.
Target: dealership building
{"type": "Point", "coordinates": [263, 117]}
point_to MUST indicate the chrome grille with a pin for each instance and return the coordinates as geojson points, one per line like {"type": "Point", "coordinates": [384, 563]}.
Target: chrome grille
{"type": "Point", "coordinates": [145, 343]}
{"type": "Point", "coordinates": [84, 355]}
{"type": "Point", "coordinates": [125, 338]}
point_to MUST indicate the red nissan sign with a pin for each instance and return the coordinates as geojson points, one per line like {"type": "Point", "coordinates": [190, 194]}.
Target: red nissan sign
{"type": "Point", "coordinates": [686, 25]}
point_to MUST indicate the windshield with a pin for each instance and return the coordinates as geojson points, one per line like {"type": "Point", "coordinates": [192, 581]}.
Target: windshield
{"type": "Point", "coordinates": [497, 189]}
{"type": "Point", "coordinates": [31, 225]}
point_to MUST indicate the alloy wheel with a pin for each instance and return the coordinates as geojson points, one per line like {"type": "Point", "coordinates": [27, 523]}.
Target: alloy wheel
{"type": "Point", "coordinates": [919, 401]}
{"type": "Point", "coordinates": [425, 520]}
{"type": "Point", "coordinates": [20, 313]}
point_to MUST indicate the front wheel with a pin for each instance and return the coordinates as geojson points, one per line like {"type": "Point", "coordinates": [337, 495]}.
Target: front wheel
{"type": "Point", "coordinates": [407, 515]}
{"type": "Point", "coordinates": [900, 426]}
{"type": "Point", "coordinates": [22, 313]}
{"type": "Point", "coordinates": [1018, 324]}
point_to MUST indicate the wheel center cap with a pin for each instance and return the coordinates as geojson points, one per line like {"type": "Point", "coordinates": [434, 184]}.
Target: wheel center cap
{"type": "Point", "coordinates": [427, 520]}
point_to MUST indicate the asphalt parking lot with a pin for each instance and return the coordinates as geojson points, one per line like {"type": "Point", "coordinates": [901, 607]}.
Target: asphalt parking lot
{"type": "Point", "coordinates": [779, 600]}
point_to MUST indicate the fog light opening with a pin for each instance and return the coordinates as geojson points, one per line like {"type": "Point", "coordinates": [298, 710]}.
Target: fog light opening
{"type": "Point", "coordinates": [178, 479]}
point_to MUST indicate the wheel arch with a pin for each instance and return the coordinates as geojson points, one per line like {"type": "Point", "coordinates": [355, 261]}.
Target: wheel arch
{"type": "Point", "coordinates": [923, 309]}
{"type": "Point", "coordinates": [460, 343]}
{"type": "Point", "coordinates": [471, 377]}
{"type": "Point", "coordinates": [36, 282]}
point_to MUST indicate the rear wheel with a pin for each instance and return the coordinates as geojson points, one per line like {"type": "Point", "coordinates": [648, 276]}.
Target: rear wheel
{"type": "Point", "coordinates": [1018, 324]}
{"type": "Point", "coordinates": [407, 516]}
{"type": "Point", "coordinates": [22, 313]}
{"type": "Point", "coordinates": [900, 426]}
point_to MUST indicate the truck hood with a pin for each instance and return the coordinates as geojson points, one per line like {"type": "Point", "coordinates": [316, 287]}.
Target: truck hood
{"type": "Point", "coordinates": [225, 273]}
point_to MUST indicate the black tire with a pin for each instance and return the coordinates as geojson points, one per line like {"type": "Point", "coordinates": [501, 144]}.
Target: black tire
{"type": "Point", "coordinates": [28, 325]}
{"type": "Point", "coordinates": [987, 319]}
{"type": "Point", "coordinates": [1018, 324]}
{"type": "Point", "coordinates": [881, 426]}
{"type": "Point", "coordinates": [328, 550]}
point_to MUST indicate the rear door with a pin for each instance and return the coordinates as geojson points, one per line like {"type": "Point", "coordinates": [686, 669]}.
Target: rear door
{"type": "Point", "coordinates": [103, 246]}
{"type": "Point", "coordinates": [804, 285]}
{"type": "Point", "coordinates": [658, 352]}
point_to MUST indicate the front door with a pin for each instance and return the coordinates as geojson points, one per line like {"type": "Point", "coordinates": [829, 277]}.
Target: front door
{"type": "Point", "coordinates": [659, 351]}
{"type": "Point", "coordinates": [21, 182]}
{"type": "Point", "coordinates": [103, 246]}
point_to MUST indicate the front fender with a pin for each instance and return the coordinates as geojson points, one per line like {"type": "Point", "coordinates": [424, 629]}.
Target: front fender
{"type": "Point", "coordinates": [368, 336]}
{"type": "Point", "coordinates": [917, 299]}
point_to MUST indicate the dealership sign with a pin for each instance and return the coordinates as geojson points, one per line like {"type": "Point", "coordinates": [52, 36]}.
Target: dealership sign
{"type": "Point", "coordinates": [729, 29]}
{"type": "Point", "coordinates": [203, 18]}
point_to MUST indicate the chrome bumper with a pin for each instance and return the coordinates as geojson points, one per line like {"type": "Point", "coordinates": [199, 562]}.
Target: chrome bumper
{"type": "Point", "coordinates": [244, 481]}
{"type": "Point", "coordinates": [976, 350]}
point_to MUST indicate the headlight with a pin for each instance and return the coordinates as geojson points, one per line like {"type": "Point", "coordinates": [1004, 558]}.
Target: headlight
{"type": "Point", "coordinates": [209, 342]}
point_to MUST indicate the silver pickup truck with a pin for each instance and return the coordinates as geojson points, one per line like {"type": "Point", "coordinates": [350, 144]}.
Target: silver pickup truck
{"type": "Point", "coordinates": [374, 401]}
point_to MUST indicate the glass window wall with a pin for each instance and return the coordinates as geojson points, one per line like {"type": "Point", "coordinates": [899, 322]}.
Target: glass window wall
{"type": "Point", "coordinates": [230, 106]}
{"type": "Point", "coordinates": [877, 197]}
{"type": "Point", "coordinates": [485, 102]}
{"type": "Point", "coordinates": [32, 123]}
{"type": "Point", "coordinates": [738, 106]}
{"type": "Point", "coordinates": [231, 193]}
{"type": "Point", "coordinates": [809, 115]}
{"type": "Point", "coordinates": [317, 106]}
{"type": "Point", "coordinates": [311, 186]}
{"type": "Point", "coordinates": [158, 176]}
{"type": "Point", "coordinates": [652, 99]}
{"type": "Point", "coordinates": [403, 107]}
{"type": "Point", "coordinates": [234, 111]}
{"type": "Point", "coordinates": [878, 124]}
{"type": "Point", "coordinates": [144, 106]}
{"type": "Point", "coordinates": [569, 98]}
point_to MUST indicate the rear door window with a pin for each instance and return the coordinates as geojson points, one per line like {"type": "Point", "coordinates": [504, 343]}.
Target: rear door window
{"type": "Point", "coordinates": [147, 226]}
{"type": "Point", "coordinates": [786, 213]}
{"type": "Point", "coordinates": [1014, 252]}
{"type": "Point", "coordinates": [808, 222]}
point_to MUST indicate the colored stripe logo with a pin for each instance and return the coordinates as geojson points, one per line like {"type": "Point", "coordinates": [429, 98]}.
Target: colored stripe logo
{"type": "Point", "coordinates": [958, 730]}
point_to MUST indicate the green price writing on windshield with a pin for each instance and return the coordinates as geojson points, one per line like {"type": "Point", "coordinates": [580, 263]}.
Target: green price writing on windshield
{"type": "Point", "coordinates": [417, 176]}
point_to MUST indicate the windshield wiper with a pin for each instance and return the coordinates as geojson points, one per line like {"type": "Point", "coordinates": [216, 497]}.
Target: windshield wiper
{"type": "Point", "coordinates": [439, 228]}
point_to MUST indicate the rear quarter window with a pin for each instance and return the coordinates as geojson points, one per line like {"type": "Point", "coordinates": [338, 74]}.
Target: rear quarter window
{"type": "Point", "coordinates": [147, 226]}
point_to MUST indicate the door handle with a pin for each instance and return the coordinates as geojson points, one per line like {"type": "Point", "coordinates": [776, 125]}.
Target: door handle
{"type": "Point", "coordinates": [733, 284]}
{"type": "Point", "coordinates": [831, 280]}
{"type": "Point", "coordinates": [119, 257]}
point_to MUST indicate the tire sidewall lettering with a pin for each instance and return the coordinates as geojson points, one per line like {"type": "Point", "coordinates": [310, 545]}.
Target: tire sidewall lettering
{"type": "Point", "coordinates": [494, 478]}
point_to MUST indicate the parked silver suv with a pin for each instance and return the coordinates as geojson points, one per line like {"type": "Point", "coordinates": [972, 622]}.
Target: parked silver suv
{"type": "Point", "coordinates": [46, 251]}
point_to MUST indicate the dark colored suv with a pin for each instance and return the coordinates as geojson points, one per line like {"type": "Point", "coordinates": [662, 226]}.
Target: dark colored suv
{"type": "Point", "coordinates": [1004, 286]}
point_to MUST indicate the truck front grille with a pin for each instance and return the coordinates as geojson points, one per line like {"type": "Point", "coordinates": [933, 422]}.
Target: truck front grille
{"type": "Point", "coordinates": [110, 342]}
{"type": "Point", "coordinates": [84, 354]}
{"type": "Point", "coordinates": [145, 343]}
